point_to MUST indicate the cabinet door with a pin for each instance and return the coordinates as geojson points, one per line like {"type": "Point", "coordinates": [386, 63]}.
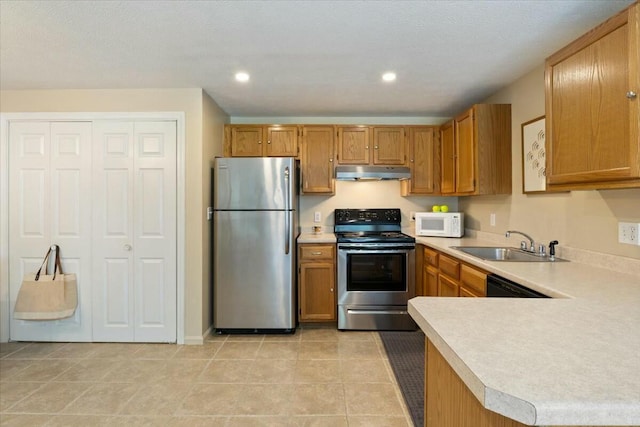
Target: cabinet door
{"type": "Point", "coordinates": [317, 291]}
{"type": "Point", "coordinates": [448, 158]}
{"type": "Point", "coordinates": [246, 141]}
{"type": "Point", "coordinates": [316, 159]}
{"type": "Point", "coordinates": [282, 141]}
{"type": "Point", "coordinates": [424, 161]}
{"type": "Point", "coordinates": [593, 131]}
{"type": "Point", "coordinates": [447, 287]}
{"type": "Point", "coordinates": [465, 152]}
{"type": "Point", "coordinates": [353, 145]}
{"type": "Point", "coordinates": [431, 281]}
{"type": "Point", "coordinates": [389, 146]}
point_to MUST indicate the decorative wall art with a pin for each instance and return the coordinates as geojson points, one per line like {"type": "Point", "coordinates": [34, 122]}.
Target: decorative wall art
{"type": "Point", "coordinates": [533, 156]}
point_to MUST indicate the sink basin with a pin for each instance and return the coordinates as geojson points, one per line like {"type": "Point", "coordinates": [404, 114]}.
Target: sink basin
{"type": "Point", "coordinates": [498, 253]}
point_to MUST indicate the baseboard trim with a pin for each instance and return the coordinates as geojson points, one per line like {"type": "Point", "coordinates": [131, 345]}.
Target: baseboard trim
{"type": "Point", "coordinates": [196, 340]}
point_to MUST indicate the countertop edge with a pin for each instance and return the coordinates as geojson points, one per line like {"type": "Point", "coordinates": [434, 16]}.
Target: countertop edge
{"type": "Point", "coordinates": [494, 400]}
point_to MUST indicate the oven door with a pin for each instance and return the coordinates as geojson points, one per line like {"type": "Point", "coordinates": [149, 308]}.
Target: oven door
{"type": "Point", "coordinates": [378, 275]}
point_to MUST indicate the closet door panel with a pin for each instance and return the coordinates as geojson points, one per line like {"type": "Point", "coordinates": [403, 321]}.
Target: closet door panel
{"type": "Point", "coordinates": [70, 219]}
{"type": "Point", "coordinates": [155, 231]}
{"type": "Point", "coordinates": [29, 233]}
{"type": "Point", "coordinates": [113, 245]}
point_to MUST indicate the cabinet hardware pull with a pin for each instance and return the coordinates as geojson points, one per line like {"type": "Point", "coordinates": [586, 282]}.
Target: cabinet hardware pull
{"type": "Point", "coordinates": [331, 289]}
{"type": "Point", "coordinates": [259, 142]}
{"type": "Point", "coordinates": [269, 141]}
{"type": "Point", "coordinates": [376, 147]}
{"type": "Point", "coordinates": [631, 94]}
{"type": "Point", "coordinates": [316, 253]}
{"type": "Point", "coordinates": [331, 160]}
{"type": "Point", "coordinates": [411, 160]}
{"type": "Point", "coordinates": [367, 147]}
{"type": "Point", "coordinates": [127, 247]}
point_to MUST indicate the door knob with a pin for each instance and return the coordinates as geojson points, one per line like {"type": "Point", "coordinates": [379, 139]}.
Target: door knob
{"type": "Point", "coordinates": [127, 247]}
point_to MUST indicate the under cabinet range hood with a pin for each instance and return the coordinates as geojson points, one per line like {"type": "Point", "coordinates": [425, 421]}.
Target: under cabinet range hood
{"type": "Point", "coordinates": [372, 173]}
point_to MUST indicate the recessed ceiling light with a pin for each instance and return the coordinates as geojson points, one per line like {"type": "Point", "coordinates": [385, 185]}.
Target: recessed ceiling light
{"type": "Point", "coordinates": [242, 77]}
{"type": "Point", "coordinates": [389, 77]}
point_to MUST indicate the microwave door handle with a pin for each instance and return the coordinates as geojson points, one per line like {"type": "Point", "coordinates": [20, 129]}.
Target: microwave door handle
{"type": "Point", "coordinates": [287, 212]}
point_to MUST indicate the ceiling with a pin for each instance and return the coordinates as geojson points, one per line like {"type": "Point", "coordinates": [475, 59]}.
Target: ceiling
{"type": "Point", "coordinates": [305, 58]}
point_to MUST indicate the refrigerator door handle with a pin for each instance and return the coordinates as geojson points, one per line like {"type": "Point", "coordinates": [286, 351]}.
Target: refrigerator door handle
{"type": "Point", "coordinates": [287, 207]}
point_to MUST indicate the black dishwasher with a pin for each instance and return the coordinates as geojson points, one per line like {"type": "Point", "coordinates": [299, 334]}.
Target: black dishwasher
{"type": "Point", "coordinates": [499, 287]}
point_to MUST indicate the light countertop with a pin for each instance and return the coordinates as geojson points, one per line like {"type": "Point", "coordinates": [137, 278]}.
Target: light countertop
{"type": "Point", "coordinates": [571, 360]}
{"type": "Point", "coordinates": [316, 238]}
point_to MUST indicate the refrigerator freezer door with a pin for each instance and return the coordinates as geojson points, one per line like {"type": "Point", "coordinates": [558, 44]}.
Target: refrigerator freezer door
{"type": "Point", "coordinates": [255, 183]}
{"type": "Point", "coordinates": [254, 277]}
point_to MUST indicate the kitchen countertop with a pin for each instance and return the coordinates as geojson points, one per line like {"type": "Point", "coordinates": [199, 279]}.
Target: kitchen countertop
{"type": "Point", "coordinates": [316, 238]}
{"type": "Point", "coordinates": [574, 359]}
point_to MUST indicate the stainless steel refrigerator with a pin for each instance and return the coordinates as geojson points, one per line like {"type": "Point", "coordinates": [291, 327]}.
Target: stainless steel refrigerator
{"type": "Point", "coordinates": [255, 227]}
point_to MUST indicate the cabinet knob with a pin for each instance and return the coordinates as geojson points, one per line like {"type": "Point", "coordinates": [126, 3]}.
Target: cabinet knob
{"type": "Point", "coordinates": [376, 147]}
{"type": "Point", "coordinates": [331, 160]}
{"type": "Point", "coordinates": [269, 141]}
{"type": "Point", "coordinates": [411, 160]}
{"type": "Point", "coordinates": [331, 289]}
{"type": "Point", "coordinates": [367, 147]}
{"type": "Point", "coordinates": [127, 247]}
{"type": "Point", "coordinates": [631, 94]}
{"type": "Point", "coordinates": [259, 142]}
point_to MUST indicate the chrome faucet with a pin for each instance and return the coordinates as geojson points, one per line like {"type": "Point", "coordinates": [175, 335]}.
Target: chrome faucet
{"type": "Point", "coordinates": [523, 244]}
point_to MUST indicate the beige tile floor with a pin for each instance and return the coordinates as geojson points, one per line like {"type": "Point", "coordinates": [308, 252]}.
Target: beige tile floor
{"type": "Point", "coordinates": [316, 377]}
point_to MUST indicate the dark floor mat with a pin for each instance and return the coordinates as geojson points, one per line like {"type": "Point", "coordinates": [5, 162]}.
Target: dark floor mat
{"type": "Point", "coordinates": [405, 351]}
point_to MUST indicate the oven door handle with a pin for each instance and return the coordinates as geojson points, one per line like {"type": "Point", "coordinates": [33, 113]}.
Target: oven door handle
{"type": "Point", "coordinates": [387, 249]}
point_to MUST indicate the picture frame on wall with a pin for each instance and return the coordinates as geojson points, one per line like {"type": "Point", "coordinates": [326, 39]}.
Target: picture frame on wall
{"type": "Point", "coordinates": [533, 156]}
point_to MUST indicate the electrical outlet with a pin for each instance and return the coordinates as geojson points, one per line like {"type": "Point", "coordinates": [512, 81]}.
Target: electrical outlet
{"type": "Point", "coordinates": [492, 220]}
{"type": "Point", "coordinates": [412, 216]}
{"type": "Point", "coordinates": [628, 233]}
{"type": "Point", "coordinates": [317, 216]}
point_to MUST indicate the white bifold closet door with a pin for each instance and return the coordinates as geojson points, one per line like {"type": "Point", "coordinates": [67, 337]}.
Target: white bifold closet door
{"type": "Point", "coordinates": [50, 202]}
{"type": "Point", "coordinates": [134, 231]}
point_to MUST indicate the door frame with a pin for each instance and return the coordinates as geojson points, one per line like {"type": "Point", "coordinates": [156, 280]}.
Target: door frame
{"type": "Point", "coordinates": [6, 118]}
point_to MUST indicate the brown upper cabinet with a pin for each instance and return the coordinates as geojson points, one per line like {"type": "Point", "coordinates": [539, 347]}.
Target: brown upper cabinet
{"type": "Point", "coordinates": [317, 159]}
{"type": "Point", "coordinates": [378, 145]}
{"type": "Point", "coordinates": [476, 151]}
{"type": "Point", "coordinates": [592, 112]}
{"type": "Point", "coordinates": [389, 146]}
{"type": "Point", "coordinates": [261, 141]}
{"type": "Point", "coordinates": [424, 161]}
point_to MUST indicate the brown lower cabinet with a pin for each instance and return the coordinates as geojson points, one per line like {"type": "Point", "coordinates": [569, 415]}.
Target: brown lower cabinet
{"type": "Point", "coordinates": [316, 282]}
{"type": "Point", "coordinates": [446, 276]}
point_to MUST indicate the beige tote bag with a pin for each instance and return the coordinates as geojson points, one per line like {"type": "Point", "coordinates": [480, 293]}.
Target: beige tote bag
{"type": "Point", "coordinates": [47, 297]}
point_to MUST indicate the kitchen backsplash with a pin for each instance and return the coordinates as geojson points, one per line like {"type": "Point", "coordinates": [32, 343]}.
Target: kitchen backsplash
{"type": "Point", "coordinates": [370, 194]}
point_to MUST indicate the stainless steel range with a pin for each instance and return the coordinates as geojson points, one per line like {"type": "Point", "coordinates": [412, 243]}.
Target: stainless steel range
{"type": "Point", "coordinates": [376, 270]}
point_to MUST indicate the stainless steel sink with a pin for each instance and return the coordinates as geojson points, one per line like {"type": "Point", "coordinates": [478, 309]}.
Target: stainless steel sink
{"type": "Point", "coordinates": [499, 253]}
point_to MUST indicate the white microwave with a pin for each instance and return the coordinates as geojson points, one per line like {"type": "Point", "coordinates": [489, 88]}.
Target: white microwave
{"type": "Point", "coordinates": [440, 224]}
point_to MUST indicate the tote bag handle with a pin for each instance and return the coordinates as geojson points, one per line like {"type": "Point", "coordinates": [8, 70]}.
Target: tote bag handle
{"type": "Point", "coordinates": [57, 267]}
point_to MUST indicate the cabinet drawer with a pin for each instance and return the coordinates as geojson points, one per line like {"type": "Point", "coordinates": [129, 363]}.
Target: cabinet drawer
{"type": "Point", "coordinates": [449, 266]}
{"type": "Point", "coordinates": [474, 280]}
{"type": "Point", "coordinates": [314, 252]}
{"type": "Point", "coordinates": [431, 257]}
